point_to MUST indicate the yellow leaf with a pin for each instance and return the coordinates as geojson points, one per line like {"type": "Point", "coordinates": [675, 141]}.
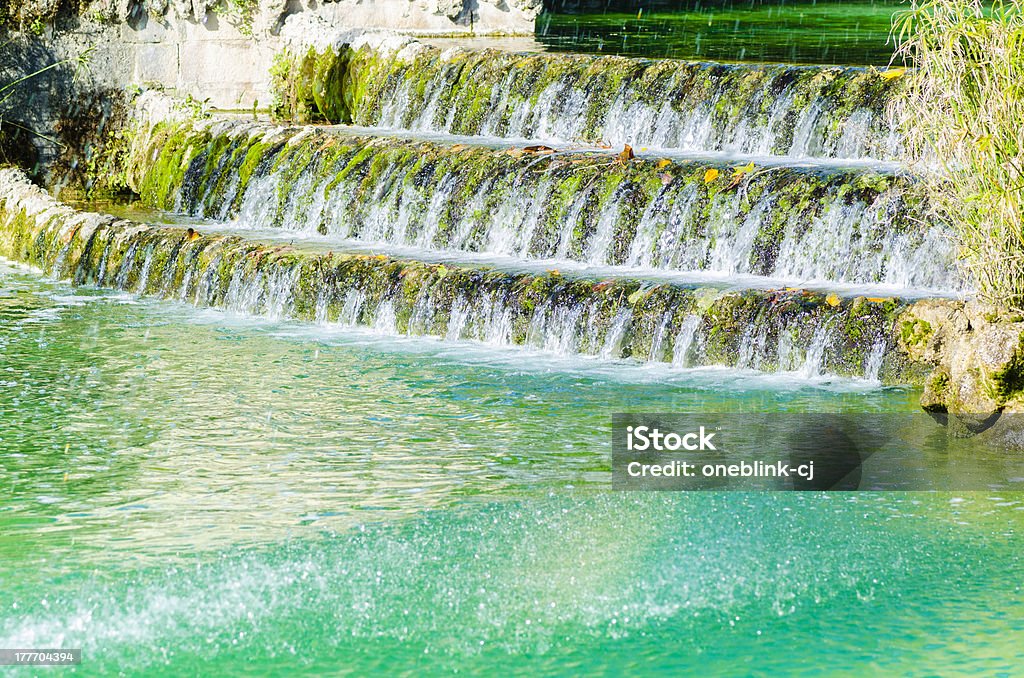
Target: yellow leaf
{"type": "Point", "coordinates": [635, 297]}
{"type": "Point", "coordinates": [832, 299]}
{"type": "Point", "coordinates": [710, 176]}
{"type": "Point", "coordinates": [745, 169]}
{"type": "Point", "coordinates": [877, 300]}
{"type": "Point", "coordinates": [663, 163]}
{"type": "Point", "coordinates": [892, 73]}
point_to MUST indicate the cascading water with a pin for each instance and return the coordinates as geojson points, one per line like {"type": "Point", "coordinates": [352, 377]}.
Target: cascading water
{"type": "Point", "coordinates": [798, 224]}
{"type": "Point", "coordinates": [619, 318]}
{"type": "Point", "coordinates": [756, 109]}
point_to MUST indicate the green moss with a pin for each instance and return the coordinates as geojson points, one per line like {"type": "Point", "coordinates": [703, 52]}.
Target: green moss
{"type": "Point", "coordinates": [1008, 382]}
{"type": "Point", "coordinates": [915, 332]}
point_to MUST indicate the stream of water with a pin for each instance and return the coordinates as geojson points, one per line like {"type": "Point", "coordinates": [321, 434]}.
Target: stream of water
{"type": "Point", "coordinates": [200, 491]}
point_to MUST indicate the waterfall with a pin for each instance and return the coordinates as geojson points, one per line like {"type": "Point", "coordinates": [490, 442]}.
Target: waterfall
{"type": "Point", "coordinates": [854, 226]}
{"type": "Point", "coordinates": [560, 314]}
{"type": "Point", "coordinates": [668, 104]}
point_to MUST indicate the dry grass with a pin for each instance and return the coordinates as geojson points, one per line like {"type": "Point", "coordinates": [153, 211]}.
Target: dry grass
{"type": "Point", "coordinates": [964, 119]}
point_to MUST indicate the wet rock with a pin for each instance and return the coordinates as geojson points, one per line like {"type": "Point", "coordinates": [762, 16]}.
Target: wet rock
{"type": "Point", "coordinates": [527, 6]}
{"type": "Point", "coordinates": [976, 359]}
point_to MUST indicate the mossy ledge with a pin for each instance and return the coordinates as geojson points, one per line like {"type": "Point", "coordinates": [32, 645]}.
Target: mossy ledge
{"type": "Point", "coordinates": [774, 330]}
{"type": "Point", "coordinates": [767, 109]}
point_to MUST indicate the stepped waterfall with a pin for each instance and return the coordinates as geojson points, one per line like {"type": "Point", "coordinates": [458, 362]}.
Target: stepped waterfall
{"type": "Point", "coordinates": [759, 229]}
{"type": "Point", "coordinates": [800, 224]}
{"type": "Point", "coordinates": [760, 221]}
{"type": "Point", "coordinates": [335, 351]}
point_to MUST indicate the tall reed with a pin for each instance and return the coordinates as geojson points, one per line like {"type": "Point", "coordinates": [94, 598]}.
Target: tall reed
{"type": "Point", "coordinates": [963, 115]}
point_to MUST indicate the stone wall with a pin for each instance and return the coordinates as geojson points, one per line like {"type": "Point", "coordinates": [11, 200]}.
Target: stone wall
{"type": "Point", "coordinates": [214, 51]}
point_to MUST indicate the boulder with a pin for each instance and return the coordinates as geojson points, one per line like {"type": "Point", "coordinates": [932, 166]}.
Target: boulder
{"type": "Point", "coordinates": [976, 358]}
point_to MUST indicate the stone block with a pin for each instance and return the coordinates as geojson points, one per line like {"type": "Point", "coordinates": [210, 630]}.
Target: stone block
{"type": "Point", "coordinates": [157, 63]}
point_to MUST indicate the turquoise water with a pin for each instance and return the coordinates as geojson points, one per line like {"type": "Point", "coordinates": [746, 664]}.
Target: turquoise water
{"type": "Point", "coordinates": [798, 31]}
{"type": "Point", "coordinates": [196, 492]}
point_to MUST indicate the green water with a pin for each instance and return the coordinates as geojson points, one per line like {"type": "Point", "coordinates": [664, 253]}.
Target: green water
{"type": "Point", "coordinates": [798, 31]}
{"type": "Point", "coordinates": [191, 492]}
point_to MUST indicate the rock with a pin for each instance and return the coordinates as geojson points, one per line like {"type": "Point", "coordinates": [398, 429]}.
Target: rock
{"type": "Point", "coordinates": [976, 359]}
{"type": "Point", "coordinates": [1007, 432]}
{"type": "Point", "coordinates": [32, 10]}
{"type": "Point", "coordinates": [527, 6]}
{"type": "Point", "coordinates": [450, 8]}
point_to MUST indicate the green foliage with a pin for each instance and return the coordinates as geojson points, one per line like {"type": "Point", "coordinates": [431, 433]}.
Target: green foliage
{"type": "Point", "coordinates": [963, 115]}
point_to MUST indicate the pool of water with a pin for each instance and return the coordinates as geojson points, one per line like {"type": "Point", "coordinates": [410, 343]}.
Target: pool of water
{"type": "Point", "coordinates": [853, 32]}
{"type": "Point", "coordinates": [192, 491]}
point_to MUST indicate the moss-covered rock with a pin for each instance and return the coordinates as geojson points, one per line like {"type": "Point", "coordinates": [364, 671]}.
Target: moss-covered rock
{"type": "Point", "coordinates": [975, 358]}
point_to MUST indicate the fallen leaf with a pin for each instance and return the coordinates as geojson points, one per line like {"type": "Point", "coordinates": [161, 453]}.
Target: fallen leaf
{"type": "Point", "coordinates": [539, 150]}
{"type": "Point", "coordinates": [877, 300]}
{"type": "Point", "coordinates": [710, 176]}
{"type": "Point", "coordinates": [626, 154]}
{"type": "Point", "coordinates": [892, 73]}
{"type": "Point", "coordinates": [515, 152]}
{"type": "Point", "coordinates": [458, 147]}
{"type": "Point", "coordinates": [635, 297]}
{"type": "Point", "coordinates": [745, 169]}
{"type": "Point", "coordinates": [833, 299]}
{"type": "Point", "coordinates": [663, 163]}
